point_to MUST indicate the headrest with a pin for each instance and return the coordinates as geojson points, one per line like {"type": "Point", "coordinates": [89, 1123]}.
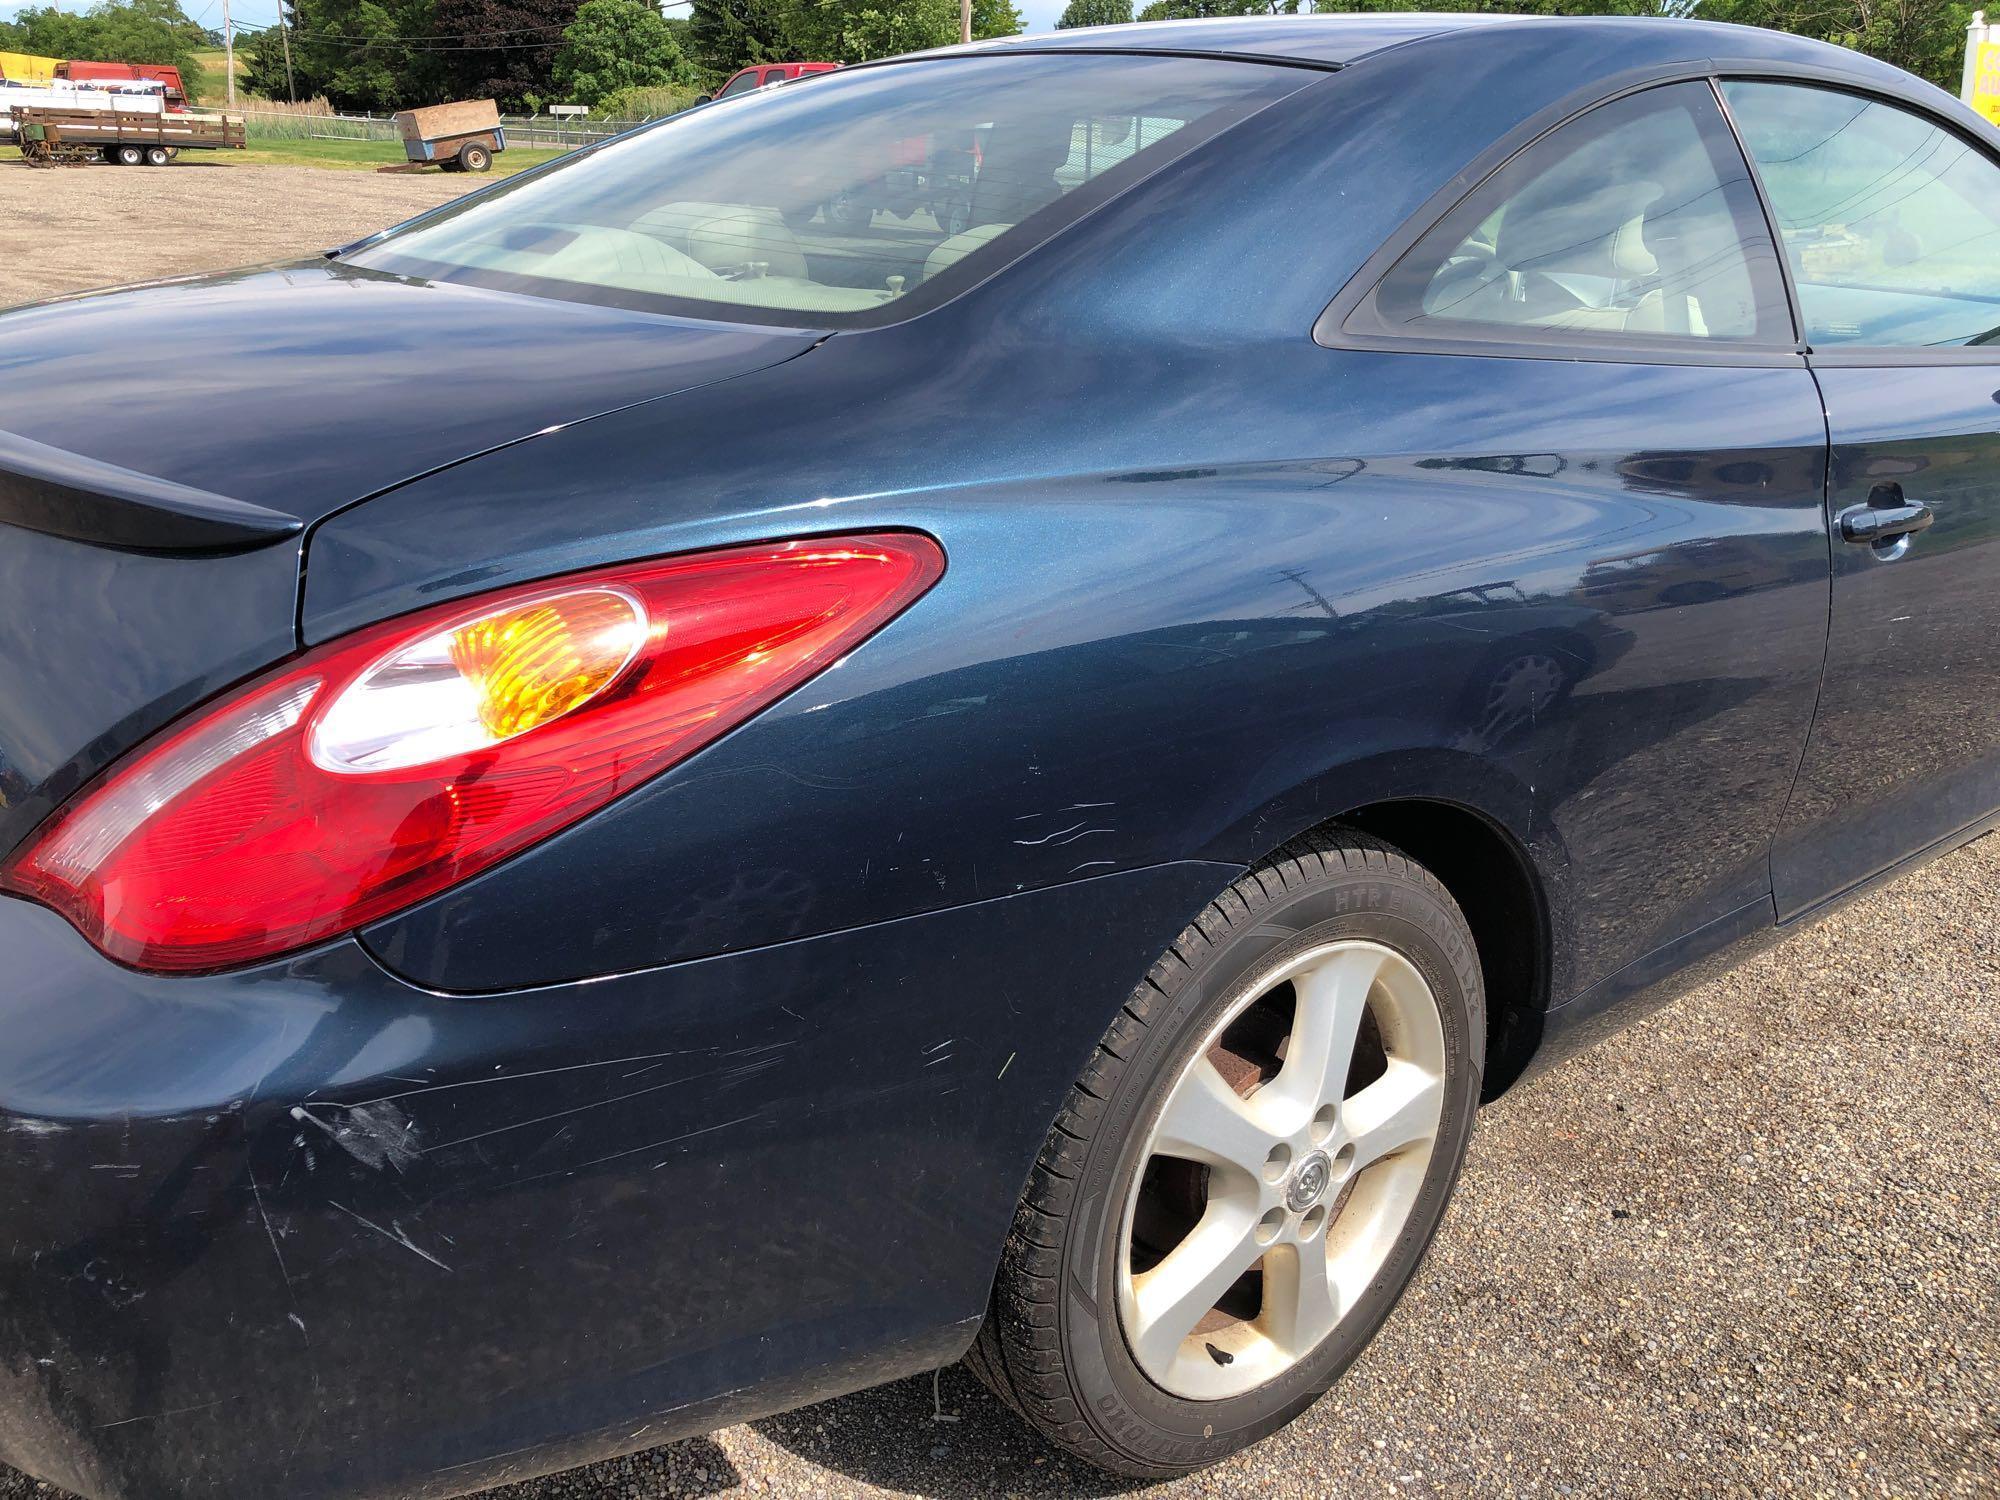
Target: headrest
{"type": "Point", "coordinates": [723, 236]}
{"type": "Point", "coordinates": [1540, 232]}
{"type": "Point", "coordinates": [950, 252]}
{"type": "Point", "coordinates": [1017, 174]}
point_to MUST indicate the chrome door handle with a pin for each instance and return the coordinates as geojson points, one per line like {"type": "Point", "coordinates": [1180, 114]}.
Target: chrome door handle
{"type": "Point", "coordinates": [1881, 523]}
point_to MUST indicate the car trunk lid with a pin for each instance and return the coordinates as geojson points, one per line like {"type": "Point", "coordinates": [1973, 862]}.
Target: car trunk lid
{"type": "Point", "coordinates": [163, 451]}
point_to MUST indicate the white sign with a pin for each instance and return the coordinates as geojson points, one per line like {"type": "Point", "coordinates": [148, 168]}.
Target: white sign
{"type": "Point", "coordinates": [569, 109]}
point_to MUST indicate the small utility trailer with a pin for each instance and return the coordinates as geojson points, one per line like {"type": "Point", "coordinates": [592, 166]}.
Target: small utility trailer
{"type": "Point", "coordinates": [463, 136]}
{"type": "Point", "coordinates": [75, 137]}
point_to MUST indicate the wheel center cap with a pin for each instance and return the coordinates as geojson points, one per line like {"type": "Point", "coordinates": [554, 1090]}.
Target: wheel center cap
{"type": "Point", "coordinates": [1309, 1182]}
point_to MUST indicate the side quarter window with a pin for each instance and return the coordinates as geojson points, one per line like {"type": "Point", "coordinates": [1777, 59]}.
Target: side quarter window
{"type": "Point", "coordinates": [1890, 221]}
{"type": "Point", "coordinates": [1634, 223]}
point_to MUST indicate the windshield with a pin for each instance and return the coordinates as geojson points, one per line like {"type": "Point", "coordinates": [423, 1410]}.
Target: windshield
{"type": "Point", "coordinates": [825, 201]}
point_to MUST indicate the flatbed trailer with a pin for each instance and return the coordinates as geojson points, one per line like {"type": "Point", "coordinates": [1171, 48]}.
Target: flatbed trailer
{"type": "Point", "coordinates": [74, 137]}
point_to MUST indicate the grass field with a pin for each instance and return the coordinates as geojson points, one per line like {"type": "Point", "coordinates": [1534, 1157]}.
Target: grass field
{"type": "Point", "coordinates": [213, 76]}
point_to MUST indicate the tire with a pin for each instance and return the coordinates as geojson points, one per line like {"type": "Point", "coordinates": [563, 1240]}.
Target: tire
{"type": "Point", "coordinates": [847, 211]}
{"type": "Point", "coordinates": [158, 156]}
{"type": "Point", "coordinates": [474, 158]}
{"type": "Point", "coordinates": [953, 215]}
{"type": "Point", "coordinates": [1100, 1208]}
{"type": "Point", "coordinates": [128, 156]}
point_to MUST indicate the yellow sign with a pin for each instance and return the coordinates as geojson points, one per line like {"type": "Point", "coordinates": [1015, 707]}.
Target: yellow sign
{"type": "Point", "coordinates": [25, 67]}
{"type": "Point", "coordinates": [1986, 81]}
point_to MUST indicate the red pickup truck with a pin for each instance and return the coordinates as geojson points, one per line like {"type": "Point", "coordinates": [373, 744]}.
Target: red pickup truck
{"type": "Point", "coordinates": [763, 75]}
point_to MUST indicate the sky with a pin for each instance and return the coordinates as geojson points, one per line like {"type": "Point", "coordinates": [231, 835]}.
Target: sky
{"type": "Point", "coordinates": [1041, 14]}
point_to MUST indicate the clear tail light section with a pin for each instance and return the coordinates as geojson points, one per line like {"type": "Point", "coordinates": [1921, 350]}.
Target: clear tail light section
{"type": "Point", "coordinates": [377, 770]}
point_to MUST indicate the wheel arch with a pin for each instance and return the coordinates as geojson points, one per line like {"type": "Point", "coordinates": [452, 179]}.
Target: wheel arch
{"type": "Point", "coordinates": [1475, 827]}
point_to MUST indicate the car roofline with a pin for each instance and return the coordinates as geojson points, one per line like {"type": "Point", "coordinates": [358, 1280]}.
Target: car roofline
{"type": "Point", "coordinates": [1331, 42]}
{"type": "Point", "coordinates": [962, 54]}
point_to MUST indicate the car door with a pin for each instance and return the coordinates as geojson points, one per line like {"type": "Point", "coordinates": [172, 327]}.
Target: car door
{"type": "Point", "coordinates": [1891, 227]}
{"type": "Point", "coordinates": [1593, 354]}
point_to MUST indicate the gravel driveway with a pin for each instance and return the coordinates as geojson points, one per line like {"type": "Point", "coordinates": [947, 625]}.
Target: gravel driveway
{"type": "Point", "coordinates": [1749, 1247]}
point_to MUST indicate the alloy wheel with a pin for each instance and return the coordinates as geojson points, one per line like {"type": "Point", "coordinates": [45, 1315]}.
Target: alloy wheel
{"type": "Point", "coordinates": [1281, 1170]}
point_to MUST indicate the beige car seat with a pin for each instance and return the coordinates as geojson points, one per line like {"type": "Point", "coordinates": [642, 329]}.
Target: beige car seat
{"type": "Point", "coordinates": [727, 236]}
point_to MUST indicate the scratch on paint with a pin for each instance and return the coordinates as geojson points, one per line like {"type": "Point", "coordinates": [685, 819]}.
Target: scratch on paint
{"type": "Point", "coordinates": [597, 1161]}
{"type": "Point", "coordinates": [1048, 837]}
{"type": "Point", "coordinates": [395, 1235]}
{"type": "Point", "coordinates": [157, 1416]}
{"type": "Point", "coordinates": [1005, 1066]}
{"type": "Point", "coordinates": [269, 1233]}
{"type": "Point", "coordinates": [471, 1083]}
{"type": "Point", "coordinates": [376, 1135]}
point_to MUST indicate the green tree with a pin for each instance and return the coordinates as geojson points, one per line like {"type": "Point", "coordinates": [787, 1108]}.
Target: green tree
{"type": "Point", "coordinates": [1925, 36]}
{"type": "Point", "coordinates": [724, 35]}
{"type": "Point", "coordinates": [884, 28]}
{"type": "Point", "coordinates": [648, 103]}
{"type": "Point", "coordinates": [1094, 13]}
{"type": "Point", "coordinates": [996, 18]}
{"type": "Point", "coordinates": [53, 33]}
{"type": "Point", "coordinates": [264, 70]}
{"type": "Point", "coordinates": [357, 54]}
{"type": "Point", "coordinates": [500, 49]}
{"type": "Point", "coordinates": [617, 44]}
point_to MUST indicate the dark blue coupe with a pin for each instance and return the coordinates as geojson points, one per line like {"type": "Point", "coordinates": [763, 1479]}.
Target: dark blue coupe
{"type": "Point", "coordinates": [961, 710]}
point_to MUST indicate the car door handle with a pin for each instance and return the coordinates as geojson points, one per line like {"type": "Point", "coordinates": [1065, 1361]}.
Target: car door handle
{"type": "Point", "coordinates": [1878, 523]}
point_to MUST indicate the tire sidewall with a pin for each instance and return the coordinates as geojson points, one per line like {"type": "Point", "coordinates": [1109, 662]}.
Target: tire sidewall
{"type": "Point", "coordinates": [1121, 1403]}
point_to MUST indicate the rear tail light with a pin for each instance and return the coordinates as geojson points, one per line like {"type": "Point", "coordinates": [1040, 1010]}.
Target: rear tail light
{"type": "Point", "coordinates": [375, 771]}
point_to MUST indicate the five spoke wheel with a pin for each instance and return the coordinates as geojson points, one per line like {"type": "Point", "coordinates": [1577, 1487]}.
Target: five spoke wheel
{"type": "Point", "coordinates": [1281, 1169]}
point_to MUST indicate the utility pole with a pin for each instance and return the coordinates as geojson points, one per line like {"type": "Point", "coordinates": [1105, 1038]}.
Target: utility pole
{"type": "Point", "coordinates": [228, 55]}
{"type": "Point", "coordinates": [965, 20]}
{"type": "Point", "coordinates": [285, 35]}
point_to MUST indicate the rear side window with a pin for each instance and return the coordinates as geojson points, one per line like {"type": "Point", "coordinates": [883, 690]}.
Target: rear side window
{"type": "Point", "coordinates": [1634, 223]}
{"type": "Point", "coordinates": [1891, 222]}
{"type": "Point", "coordinates": [828, 205]}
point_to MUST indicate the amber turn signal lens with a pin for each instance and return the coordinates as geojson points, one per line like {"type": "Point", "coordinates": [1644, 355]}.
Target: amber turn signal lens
{"type": "Point", "coordinates": [482, 681]}
{"type": "Point", "coordinates": [531, 665]}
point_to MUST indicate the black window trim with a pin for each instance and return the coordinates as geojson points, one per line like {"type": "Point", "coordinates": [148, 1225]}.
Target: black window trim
{"type": "Point", "coordinates": [1858, 356]}
{"type": "Point", "coordinates": [1331, 329]}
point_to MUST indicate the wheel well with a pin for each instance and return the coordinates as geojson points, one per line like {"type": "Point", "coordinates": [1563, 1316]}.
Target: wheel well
{"type": "Point", "coordinates": [1496, 889]}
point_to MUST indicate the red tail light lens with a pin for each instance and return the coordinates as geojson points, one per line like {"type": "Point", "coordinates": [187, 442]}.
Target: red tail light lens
{"type": "Point", "coordinates": [379, 769]}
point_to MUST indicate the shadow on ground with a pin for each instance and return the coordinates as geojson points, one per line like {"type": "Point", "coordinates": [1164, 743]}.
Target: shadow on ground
{"type": "Point", "coordinates": [934, 1435]}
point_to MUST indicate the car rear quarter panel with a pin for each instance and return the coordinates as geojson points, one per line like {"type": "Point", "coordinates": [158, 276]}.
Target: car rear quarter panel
{"type": "Point", "coordinates": [306, 1230]}
{"type": "Point", "coordinates": [1210, 583]}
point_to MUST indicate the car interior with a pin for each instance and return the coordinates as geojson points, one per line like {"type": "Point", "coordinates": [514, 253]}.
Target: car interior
{"type": "Point", "coordinates": [902, 216]}
{"type": "Point", "coordinates": [1629, 232]}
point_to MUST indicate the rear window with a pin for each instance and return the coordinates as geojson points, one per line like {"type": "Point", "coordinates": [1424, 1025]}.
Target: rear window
{"type": "Point", "coordinates": [844, 199]}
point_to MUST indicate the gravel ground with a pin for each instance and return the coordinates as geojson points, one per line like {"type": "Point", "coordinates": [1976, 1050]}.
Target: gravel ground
{"type": "Point", "coordinates": [64, 230]}
{"type": "Point", "coordinates": [1749, 1247]}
